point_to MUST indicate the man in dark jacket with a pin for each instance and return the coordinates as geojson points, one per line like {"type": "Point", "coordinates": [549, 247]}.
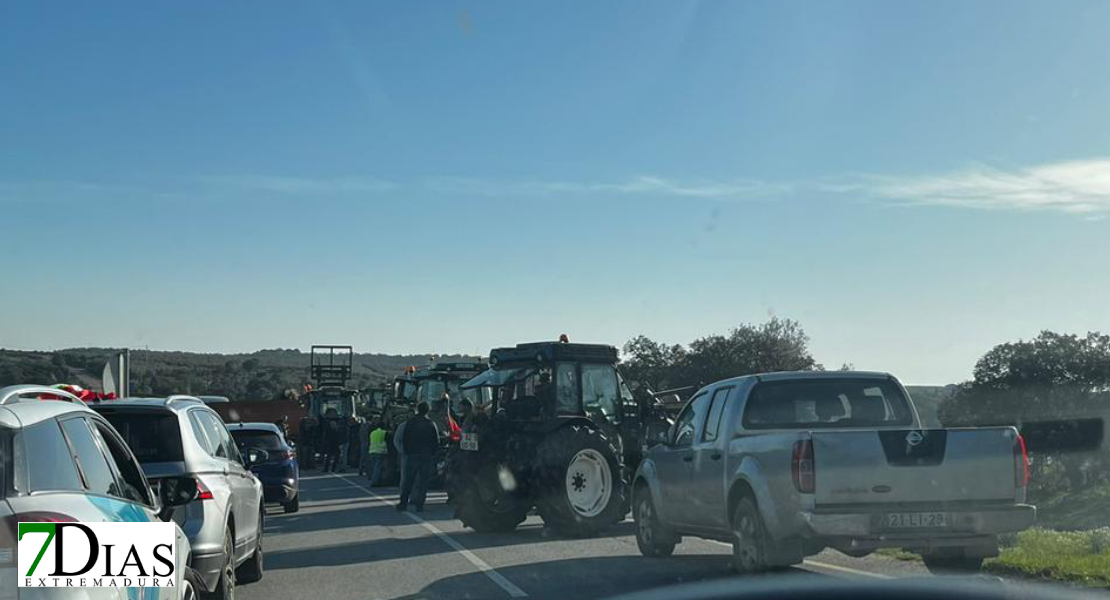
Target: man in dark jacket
{"type": "Point", "coordinates": [333, 436]}
{"type": "Point", "coordinates": [420, 439]}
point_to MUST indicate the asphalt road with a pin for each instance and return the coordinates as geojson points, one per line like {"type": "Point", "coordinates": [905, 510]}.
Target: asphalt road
{"type": "Point", "coordinates": [348, 542]}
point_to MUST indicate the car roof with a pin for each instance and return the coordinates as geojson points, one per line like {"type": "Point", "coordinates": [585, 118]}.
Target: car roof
{"type": "Point", "coordinates": [29, 412]}
{"type": "Point", "coordinates": [172, 403]}
{"type": "Point", "coordinates": [804, 375]}
{"type": "Point", "coordinates": [20, 411]}
{"type": "Point", "coordinates": [270, 427]}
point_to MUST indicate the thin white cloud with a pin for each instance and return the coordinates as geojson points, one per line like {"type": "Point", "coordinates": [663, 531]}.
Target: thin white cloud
{"type": "Point", "coordinates": [643, 185]}
{"type": "Point", "coordinates": [1077, 187]}
{"type": "Point", "coordinates": [304, 185]}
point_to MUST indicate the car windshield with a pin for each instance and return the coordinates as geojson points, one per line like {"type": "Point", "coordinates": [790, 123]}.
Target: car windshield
{"type": "Point", "coordinates": [153, 437]}
{"type": "Point", "coordinates": [264, 440]}
{"type": "Point", "coordinates": [794, 290]}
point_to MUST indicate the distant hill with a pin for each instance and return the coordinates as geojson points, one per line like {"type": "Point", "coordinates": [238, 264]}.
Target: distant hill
{"type": "Point", "coordinates": [262, 375]}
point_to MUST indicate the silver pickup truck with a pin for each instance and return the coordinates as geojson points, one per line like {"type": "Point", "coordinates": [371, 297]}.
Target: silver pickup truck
{"type": "Point", "coordinates": [784, 465]}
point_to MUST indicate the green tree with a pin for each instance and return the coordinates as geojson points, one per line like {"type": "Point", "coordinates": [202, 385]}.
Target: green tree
{"type": "Point", "coordinates": [1053, 379]}
{"type": "Point", "coordinates": [652, 364]}
{"type": "Point", "coordinates": [777, 345]}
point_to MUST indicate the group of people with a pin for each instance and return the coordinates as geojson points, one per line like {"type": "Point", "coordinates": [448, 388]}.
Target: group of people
{"type": "Point", "coordinates": [416, 442]}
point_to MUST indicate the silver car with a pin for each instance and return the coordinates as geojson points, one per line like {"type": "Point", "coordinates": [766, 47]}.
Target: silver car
{"type": "Point", "coordinates": [178, 436]}
{"type": "Point", "coordinates": [60, 461]}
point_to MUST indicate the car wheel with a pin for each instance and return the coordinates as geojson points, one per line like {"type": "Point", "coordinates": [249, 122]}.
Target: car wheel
{"type": "Point", "coordinates": [225, 585]}
{"type": "Point", "coordinates": [251, 571]}
{"type": "Point", "coordinates": [749, 547]}
{"type": "Point", "coordinates": [192, 585]}
{"type": "Point", "coordinates": [650, 537]}
{"type": "Point", "coordinates": [293, 505]}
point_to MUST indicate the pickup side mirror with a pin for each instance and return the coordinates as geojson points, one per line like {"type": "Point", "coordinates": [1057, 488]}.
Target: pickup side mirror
{"type": "Point", "coordinates": [174, 492]}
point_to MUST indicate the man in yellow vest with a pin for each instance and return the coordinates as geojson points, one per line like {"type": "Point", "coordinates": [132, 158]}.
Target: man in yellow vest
{"type": "Point", "coordinates": [378, 451]}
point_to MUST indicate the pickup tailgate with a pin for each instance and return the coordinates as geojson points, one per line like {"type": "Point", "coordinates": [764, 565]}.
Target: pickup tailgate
{"type": "Point", "coordinates": [914, 466]}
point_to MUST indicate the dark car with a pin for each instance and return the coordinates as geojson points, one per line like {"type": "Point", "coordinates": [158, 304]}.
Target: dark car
{"type": "Point", "coordinates": [279, 472]}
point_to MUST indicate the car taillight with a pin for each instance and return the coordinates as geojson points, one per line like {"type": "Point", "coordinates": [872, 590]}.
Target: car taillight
{"type": "Point", "coordinates": [10, 526]}
{"type": "Point", "coordinates": [1021, 463]}
{"type": "Point", "coordinates": [285, 455]}
{"type": "Point", "coordinates": [801, 466]}
{"type": "Point", "coordinates": [203, 493]}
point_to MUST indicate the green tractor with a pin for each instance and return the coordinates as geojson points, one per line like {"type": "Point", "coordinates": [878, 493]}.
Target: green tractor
{"type": "Point", "coordinates": [431, 384]}
{"type": "Point", "coordinates": [563, 434]}
{"type": "Point", "coordinates": [330, 403]}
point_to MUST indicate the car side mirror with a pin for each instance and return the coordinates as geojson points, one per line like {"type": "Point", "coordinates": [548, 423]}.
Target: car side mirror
{"type": "Point", "coordinates": [174, 492]}
{"type": "Point", "coordinates": [256, 455]}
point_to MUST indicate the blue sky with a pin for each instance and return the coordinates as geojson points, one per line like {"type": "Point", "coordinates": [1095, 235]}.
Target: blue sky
{"type": "Point", "coordinates": [913, 182]}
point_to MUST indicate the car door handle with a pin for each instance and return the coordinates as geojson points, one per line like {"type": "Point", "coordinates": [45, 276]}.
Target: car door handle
{"type": "Point", "coordinates": [688, 458]}
{"type": "Point", "coordinates": [716, 456]}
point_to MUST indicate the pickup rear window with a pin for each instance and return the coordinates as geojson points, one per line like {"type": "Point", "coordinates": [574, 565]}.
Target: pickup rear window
{"type": "Point", "coordinates": [154, 437]}
{"type": "Point", "coordinates": [826, 403]}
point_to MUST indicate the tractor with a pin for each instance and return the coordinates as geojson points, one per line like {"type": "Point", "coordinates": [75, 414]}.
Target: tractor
{"type": "Point", "coordinates": [431, 383]}
{"type": "Point", "coordinates": [330, 403]}
{"type": "Point", "coordinates": [563, 434]}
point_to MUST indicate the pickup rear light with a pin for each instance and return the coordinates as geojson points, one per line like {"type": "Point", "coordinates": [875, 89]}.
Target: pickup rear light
{"type": "Point", "coordinates": [1021, 463]}
{"type": "Point", "coordinates": [801, 466]}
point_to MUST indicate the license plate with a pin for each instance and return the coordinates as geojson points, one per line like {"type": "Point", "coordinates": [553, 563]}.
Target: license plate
{"type": "Point", "coordinates": [469, 441]}
{"type": "Point", "coordinates": [916, 520]}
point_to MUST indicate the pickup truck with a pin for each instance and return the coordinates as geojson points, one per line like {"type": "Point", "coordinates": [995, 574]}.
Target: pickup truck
{"type": "Point", "coordinates": [784, 465]}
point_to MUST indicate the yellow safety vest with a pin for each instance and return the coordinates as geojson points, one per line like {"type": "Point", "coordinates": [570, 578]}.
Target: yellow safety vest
{"type": "Point", "coordinates": [377, 442]}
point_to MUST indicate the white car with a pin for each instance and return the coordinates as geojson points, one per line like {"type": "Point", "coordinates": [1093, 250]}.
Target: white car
{"type": "Point", "coordinates": [60, 461]}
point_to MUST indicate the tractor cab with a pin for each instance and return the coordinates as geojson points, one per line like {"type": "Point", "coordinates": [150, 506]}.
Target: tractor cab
{"type": "Point", "coordinates": [433, 381]}
{"type": "Point", "coordinates": [540, 381]}
{"type": "Point", "coordinates": [331, 368]}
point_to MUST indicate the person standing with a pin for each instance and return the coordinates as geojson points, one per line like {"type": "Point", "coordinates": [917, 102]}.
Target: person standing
{"type": "Point", "coordinates": [364, 429]}
{"type": "Point", "coordinates": [400, 448]}
{"type": "Point", "coordinates": [378, 451]}
{"type": "Point", "coordinates": [333, 437]}
{"type": "Point", "coordinates": [420, 440]}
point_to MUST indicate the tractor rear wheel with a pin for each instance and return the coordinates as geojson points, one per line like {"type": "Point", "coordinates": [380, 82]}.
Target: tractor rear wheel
{"type": "Point", "coordinates": [580, 481]}
{"type": "Point", "coordinates": [484, 493]}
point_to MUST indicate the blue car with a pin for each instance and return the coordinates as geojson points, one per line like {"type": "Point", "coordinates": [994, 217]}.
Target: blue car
{"type": "Point", "coordinates": [278, 470]}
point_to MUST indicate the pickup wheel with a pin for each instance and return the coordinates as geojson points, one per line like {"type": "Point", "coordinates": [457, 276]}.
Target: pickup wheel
{"type": "Point", "coordinates": [942, 564]}
{"type": "Point", "coordinates": [650, 536]}
{"type": "Point", "coordinates": [749, 539]}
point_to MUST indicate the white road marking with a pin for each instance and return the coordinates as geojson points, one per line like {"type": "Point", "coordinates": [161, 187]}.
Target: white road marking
{"type": "Point", "coordinates": [830, 567]}
{"type": "Point", "coordinates": [483, 566]}
{"type": "Point", "coordinates": [821, 565]}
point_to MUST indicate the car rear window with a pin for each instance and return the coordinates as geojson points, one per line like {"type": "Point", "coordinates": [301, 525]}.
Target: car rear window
{"type": "Point", "coordinates": [826, 403]}
{"type": "Point", "coordinates": [153, 437]}
{"type": "Point", "coordinates": [265, 440]}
